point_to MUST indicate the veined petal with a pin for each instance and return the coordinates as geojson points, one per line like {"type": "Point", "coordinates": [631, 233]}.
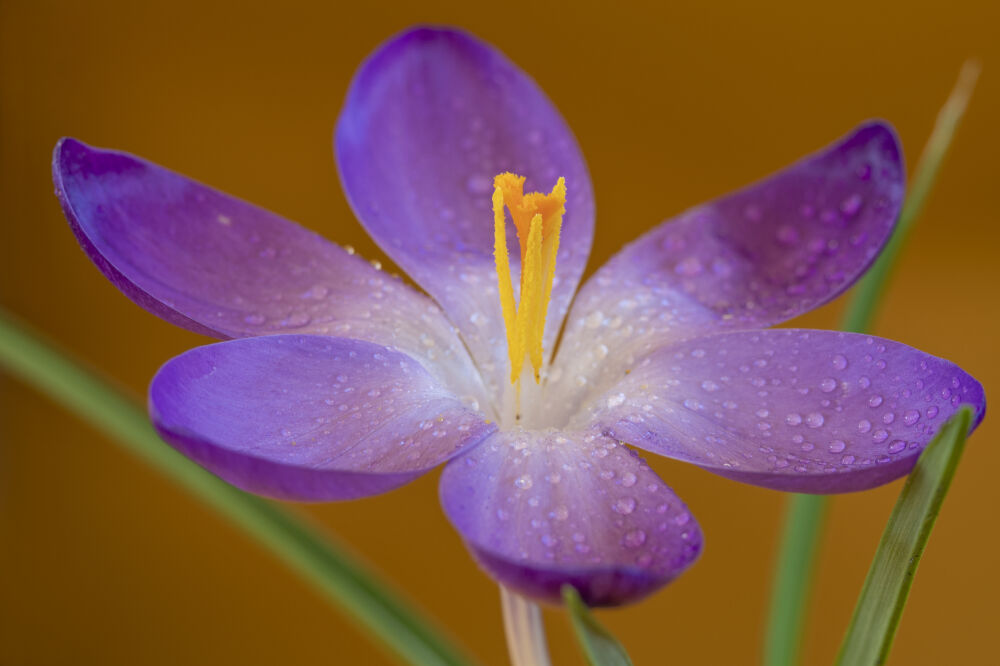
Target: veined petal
{"type": "Point", "coordinates": [790, 409]}
{"type": "Point", "coordinates": [749, 260]}
{"type": "Point", "coordinates": [310, 417]}
{"type": "Point", "coordinates": [542, 509]}
{"type": "Point", "coordinates": [222, 267]}
{"type": "Point", "coordinates": [431, 117]}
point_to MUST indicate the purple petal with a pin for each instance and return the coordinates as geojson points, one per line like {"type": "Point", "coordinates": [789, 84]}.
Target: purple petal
{"type": "Point", "coordinates": [309, 417]}
{"type": "Point", "coordinates": [749, 260]}
{"type": "Point", "coordinates": [542, 509]}
{"type": "Point", "coordinates": [430, 118]}
{"type": "Point", "coordinates": [790, 409]}
{"type": "Point", "coordinates": [222, 267]}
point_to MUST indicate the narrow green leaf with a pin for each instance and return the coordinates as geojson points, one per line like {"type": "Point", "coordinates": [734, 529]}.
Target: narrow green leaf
{"type": "Point", "coordinates": [880, 606]}
{"type": "Point", "coordinates": [599, 646]}
{"type": "Point", "coordinates": [861, 311]}
{"type": "Point", "coordinates": [804, 520]}
{"type": "Point", "coordinates": [338, 576]}
{"type": "Point", "coordinates": [804, 514]}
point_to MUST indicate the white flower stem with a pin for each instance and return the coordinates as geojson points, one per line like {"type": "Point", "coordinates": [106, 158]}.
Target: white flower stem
{"type": "Point", "coordinates": [522, 621]}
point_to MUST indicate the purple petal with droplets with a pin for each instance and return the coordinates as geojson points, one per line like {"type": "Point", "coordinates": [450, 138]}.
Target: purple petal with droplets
{"type": "Point", "coordinates": [219, 266]}
{"type": "Point", "coordinates": [790, 409]}
{"type": "Point", "coordinates": [309, 417]}
{"type": "Point", "coordinates": [542, 509]}
{"type": "Point", "coordinates": [749, 260]}
{"type": "Point", "coordinates": [430, 118]}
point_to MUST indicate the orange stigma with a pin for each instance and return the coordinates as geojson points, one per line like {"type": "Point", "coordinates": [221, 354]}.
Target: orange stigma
{"type": "Point", "coordinates": [538, 220]}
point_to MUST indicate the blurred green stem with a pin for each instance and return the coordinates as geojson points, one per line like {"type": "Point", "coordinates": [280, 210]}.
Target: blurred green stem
{"type": "Point", "coordinates": [805, 514]}
{"type": "Point", "coordinates": [339, 577]}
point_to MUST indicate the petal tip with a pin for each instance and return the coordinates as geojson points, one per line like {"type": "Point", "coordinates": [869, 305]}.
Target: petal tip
{"type": "Point", "coordinates": [883, 134]}
{"type": "Point", "coordinates": [598, 586]}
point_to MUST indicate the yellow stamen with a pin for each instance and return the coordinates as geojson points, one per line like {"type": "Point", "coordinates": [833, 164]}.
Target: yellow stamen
{"type": "Point", "coordinates": [538, 220]}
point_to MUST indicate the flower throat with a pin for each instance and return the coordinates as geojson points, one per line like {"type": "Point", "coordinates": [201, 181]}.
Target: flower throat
{"type": "Point", "coordinates": [538, 220]}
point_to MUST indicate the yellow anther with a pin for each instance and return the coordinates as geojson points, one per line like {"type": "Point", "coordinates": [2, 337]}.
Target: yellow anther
{"type": "Point", "coordinates": [538, 220]}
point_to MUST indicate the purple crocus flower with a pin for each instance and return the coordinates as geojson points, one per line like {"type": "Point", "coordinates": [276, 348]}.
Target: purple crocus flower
{"type": "Point", "coordinates": [338, 381]}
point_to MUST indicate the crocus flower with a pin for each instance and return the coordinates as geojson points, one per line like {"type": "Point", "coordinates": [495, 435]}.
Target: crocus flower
{"type": "Point", "coordinates": [338, 381]}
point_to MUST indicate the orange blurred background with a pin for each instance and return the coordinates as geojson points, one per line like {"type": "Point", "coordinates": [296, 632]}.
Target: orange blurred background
{"type": "Point", "coordinates": [105, 562]}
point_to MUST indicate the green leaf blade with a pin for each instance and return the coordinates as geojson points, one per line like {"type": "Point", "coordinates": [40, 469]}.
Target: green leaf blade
{"type": "Point", "coordinates": [338, 576]}
{"type": "Point", "coordinates": [597, 644]}
{"type": "Point", "coordinates": [804, 514]}
{"type": "Point", "coordinates": [883, 596]}
{"type": "Point", "coordinates": [804, 520]}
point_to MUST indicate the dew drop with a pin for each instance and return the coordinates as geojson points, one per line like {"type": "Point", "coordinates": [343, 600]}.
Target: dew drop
{"type": "Point", "coordinates": [851, 205]}
{"type": "Point", "coordinates": [839, 362]}
{"type": "Point", "coordinates": [594, 319]}
{"type": "Point", "coordinates": [814, 420]}
{"type": "Point", "coordinates": [689, 267]}
{"type": "Point", "coordinates": [793, 419]}
{"type": "Point", "coordinates": [911, 417]}
{"type": "Point", "coordinates": [624, 505]}
{"type": "Point", "coordinates": [836, 446]}
{"type": "Point", "coordinates": [523, 482]}
{"type": "Point", "coordinates": [787, 235]}
{"type": "Point", "coordinates": [634, 538]}
{"type": "Point", "coordinates": [896, 446]}
{"type": "Point", "coordinates": [316, 292]}
{"type": "Point", "coordinates": [828, 384]}
{"type": "Point", "coordinates": [478, 184]}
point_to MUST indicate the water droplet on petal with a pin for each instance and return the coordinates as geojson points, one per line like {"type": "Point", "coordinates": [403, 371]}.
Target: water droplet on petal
{"type": "Point", "coordinates": [478, 184]}
{"type": "Point", "coordinates": [624, 505]}
{"type": "Point", "coordinates": [634, 538]}
{"type": "Point", "coordinates": [616, 400]}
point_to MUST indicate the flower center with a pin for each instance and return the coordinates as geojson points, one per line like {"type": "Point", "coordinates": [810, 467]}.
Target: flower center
{"type": "Point", "coordinates": [538, 219]}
